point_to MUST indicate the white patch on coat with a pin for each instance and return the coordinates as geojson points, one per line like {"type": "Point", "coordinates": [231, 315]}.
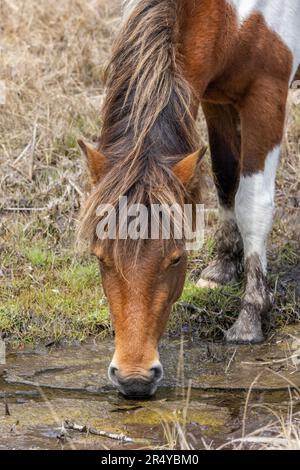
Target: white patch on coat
{"type": "Point", "coordinates": [254, 207]}
{"type": "Point", "coordinates": [282, 17]}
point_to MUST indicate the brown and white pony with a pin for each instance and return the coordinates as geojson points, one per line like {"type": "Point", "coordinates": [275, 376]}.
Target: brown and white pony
{"type": "Point", "coordinates": [237, 59]}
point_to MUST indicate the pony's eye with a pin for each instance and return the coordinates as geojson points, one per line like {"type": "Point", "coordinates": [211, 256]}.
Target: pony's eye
{"type": "Point", "coordinates": [176, 261]}
{"type": "Point", "coordinates": [105, 263]}
{"type": "Point", "coordinates": [101, 261]}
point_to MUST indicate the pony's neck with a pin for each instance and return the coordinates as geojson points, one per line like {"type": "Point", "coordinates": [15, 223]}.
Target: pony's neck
{"type": "Point", "coordinates": [206, 50]}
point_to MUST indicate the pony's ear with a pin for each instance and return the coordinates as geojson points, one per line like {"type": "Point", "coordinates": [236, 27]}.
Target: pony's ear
{"type": "Point", "coordinates": [188, 168]}
{"type": "Point", "coordinates": [96, 161]}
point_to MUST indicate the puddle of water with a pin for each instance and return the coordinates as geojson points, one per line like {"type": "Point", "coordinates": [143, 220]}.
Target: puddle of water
{"type": "Point", "coordinates": [39, 391]}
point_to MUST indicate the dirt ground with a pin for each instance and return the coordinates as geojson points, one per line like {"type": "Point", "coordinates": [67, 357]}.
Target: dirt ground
{"type": "Point", "coordinates": [53, 56]}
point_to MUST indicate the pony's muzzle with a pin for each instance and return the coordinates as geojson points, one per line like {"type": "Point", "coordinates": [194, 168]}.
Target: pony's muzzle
{"type": "Point", "coordinates": [141, 385]}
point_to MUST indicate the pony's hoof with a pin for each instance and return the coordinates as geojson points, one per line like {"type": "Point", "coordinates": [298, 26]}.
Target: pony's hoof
{"type": "Point", "coordinates": [241, 333]}
{"type": "Point", "coordinates": [206, 284]}
{"type": "Point", "coordinates": [221, 272]}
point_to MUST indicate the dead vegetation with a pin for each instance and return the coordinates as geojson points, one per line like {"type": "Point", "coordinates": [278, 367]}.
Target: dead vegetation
{"type": "Point", "coordinates": [281, 430]}
{"type": "Point", "coordinates": [52, 60]}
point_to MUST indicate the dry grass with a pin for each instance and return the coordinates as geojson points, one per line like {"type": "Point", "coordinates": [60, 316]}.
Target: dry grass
{"type": "Point", "coordinates": [52, 59]}
{"type": "Point", "coordinates": [282, 432]}
{"type": "Point", "coordinates": [275, 428]}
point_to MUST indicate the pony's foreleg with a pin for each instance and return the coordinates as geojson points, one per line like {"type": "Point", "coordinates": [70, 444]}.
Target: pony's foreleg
{"type": "Point", "coordinates": [224, 136]}
{"type": "Point", "coordinates": [262, 129]}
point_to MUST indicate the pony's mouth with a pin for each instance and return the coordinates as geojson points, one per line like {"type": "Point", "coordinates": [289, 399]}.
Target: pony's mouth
{"type": "Point", "coordinates": [137, 391]}
{"type": "Point", "coordinates": [136, 386]}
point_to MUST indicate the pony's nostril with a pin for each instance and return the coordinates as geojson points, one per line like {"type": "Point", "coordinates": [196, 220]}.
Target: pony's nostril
{"type": "Point", "coordinates": [157, 372]}
{"type": "Point", "coordinates": [112, 372]}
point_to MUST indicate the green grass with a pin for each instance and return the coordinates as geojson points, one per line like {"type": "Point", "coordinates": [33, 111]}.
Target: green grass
{"type": "Point", "coordinates": [51, 305]}
{"type": "Point", "coordinates": [38, 256]}
{"type": "Point", "coordinates": [49, 293]}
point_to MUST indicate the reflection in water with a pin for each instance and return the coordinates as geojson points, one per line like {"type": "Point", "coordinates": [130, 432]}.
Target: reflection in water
{"type": "Point", "coordinates": [43, 388]}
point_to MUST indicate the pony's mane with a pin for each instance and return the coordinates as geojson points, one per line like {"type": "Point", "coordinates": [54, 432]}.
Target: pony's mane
{"type": "Point", "coordinates": [147, 124]}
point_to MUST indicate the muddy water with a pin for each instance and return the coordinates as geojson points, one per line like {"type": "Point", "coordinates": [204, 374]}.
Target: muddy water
{"type": "Point", "coordinates": [41, 389]}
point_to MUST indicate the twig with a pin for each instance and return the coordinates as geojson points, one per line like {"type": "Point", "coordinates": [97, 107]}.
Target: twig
{"type": "Point", "coordinates": [23, 209]}
{"type": "Point", "coordinates": [275, 361]}
{"type": "Point", "coordinates": [24, 151]}
{"type": "Point", "coordinates": [191, 307]}
{"type": "Point", "coordinates": [247, 403]}
{"type": "Point", "coordinates": [31, 155]}
{"type": "Point", "coordinates": [95, 432]}
{"type": "Point", "coordinates": [7, 412]}
{"type": "Point", "coordinates": [18, 170]}
{"type": "Point", "coordinates": [75, 187]}
{"type": "Point", "coordinates": [230, 361]}
{"type": "Point", "coordinates": [292, 384]}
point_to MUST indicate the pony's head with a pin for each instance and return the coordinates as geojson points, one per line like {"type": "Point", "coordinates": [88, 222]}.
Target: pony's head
{"type": "Point", "coordinates": [147, 138]}
{"type": "Point", "coordinates": [142, 278]}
